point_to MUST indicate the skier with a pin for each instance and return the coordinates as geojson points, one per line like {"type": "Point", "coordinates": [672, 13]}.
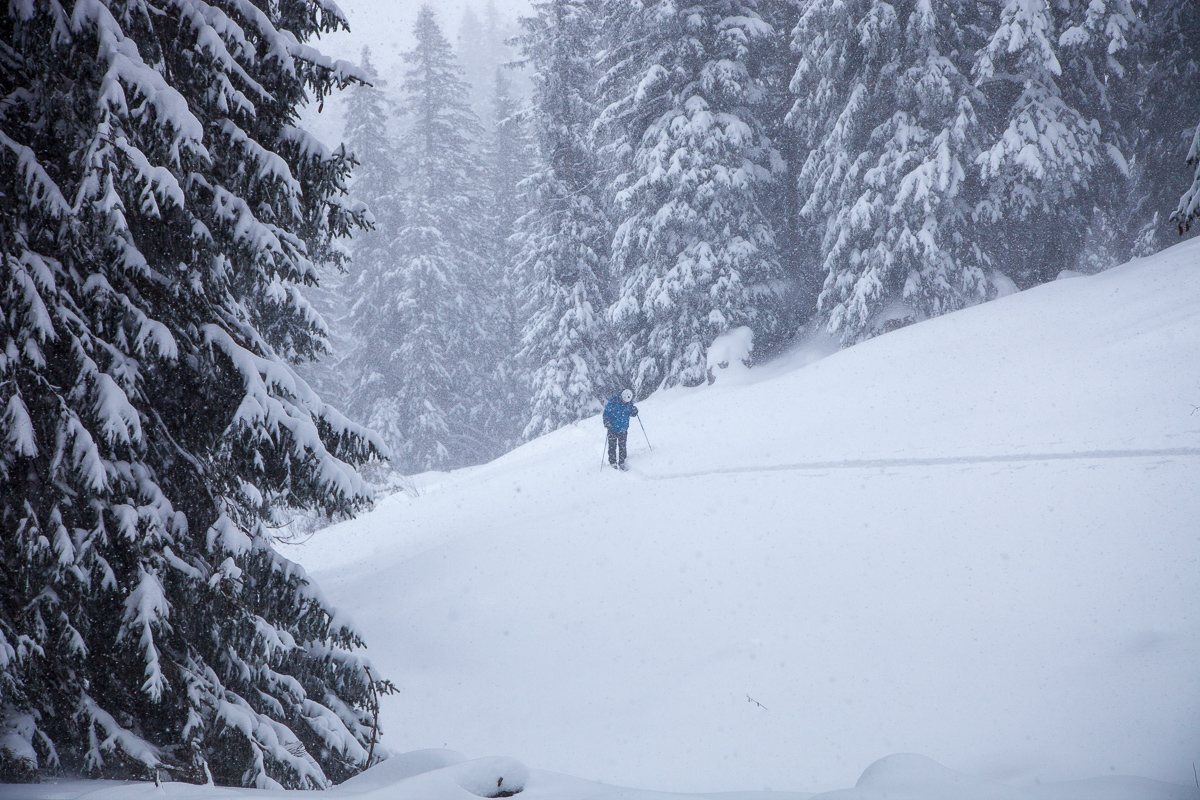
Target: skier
{"type": "Point", "coordinates": [617, 412]}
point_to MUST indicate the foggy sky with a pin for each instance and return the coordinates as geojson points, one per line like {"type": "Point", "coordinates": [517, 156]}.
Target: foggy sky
{"type": "Point", "coordinates": [385, 26]}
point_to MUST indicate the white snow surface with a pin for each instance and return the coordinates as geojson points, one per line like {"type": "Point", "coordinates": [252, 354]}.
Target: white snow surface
{"type": "Point", "coordinates": [447, 775]}
{"type": "Point", "coordinates": [974, 538]}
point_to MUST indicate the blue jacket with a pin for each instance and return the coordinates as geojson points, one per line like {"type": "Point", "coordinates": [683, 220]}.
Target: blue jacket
{"type": "Point", "coordinates": [617, 414]}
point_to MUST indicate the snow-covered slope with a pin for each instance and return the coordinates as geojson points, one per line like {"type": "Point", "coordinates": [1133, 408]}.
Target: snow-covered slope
{"type": "Point", "coordinates": [977, 538]}
{"type": "Point", "coordinates": [447, 775]}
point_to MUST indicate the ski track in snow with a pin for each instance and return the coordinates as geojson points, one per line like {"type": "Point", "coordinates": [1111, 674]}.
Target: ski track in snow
{"type": "Point", "coordinates": [884, 463]}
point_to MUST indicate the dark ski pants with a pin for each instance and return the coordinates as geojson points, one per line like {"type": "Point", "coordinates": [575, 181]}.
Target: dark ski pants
{"type": "Point", "coordinates": [616, 439]}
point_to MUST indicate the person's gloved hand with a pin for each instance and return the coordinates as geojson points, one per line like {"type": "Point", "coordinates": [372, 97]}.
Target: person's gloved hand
{"type": "Point", "coordinates": [633, 411]}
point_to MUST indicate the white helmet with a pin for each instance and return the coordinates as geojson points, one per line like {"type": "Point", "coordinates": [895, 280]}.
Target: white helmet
{"type": "Point", "coordinates": [627, 396]}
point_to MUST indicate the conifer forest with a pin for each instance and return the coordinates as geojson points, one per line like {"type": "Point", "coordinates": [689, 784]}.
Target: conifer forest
{"type": "Point", "coordinates": [211, 319]}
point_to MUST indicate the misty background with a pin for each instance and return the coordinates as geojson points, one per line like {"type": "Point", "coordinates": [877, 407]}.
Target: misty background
{"type": "Point", "coordinates": [387, 29]}
{"type": "Point", "coordinates": [573, 197]}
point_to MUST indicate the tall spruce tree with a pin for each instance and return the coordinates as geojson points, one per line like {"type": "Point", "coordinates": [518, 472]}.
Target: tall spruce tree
{"type": "Point", "coordinates": [695, 248]}
{"type": "Point", "coordinates": [887, 109]}
{"type": "Point", "coordinates": [831, 116]}
{"type": "Point", "coordinates": [368, 137]}
{"type": "Point", "coordinates": [160, 212]}
{"type": "Point", "coordinates": [1041, 167]}
{"type": "Point", "coordinates": [482, 47]}
{"type": "Point", "coordinates": [473, 51]}
{"type": "Point", "coordinates": [508, 159]}
{"type": "Point", "coordinates": [508, 155]}
{"type": "Point", "coordinates": [377, 178]}
{"type": "Point", "coordinates": [378, 183]}
{"type": "Point", "coordinates": [1170, 103]}
{"type": "Point", "coordinates": [423, 373]}
{"type": "Point", "coordinates": [563, 239]}
{"type": "Point", "coordinates": [1098, 50]}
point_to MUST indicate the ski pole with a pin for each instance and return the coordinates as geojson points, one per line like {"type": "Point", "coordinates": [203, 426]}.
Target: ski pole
{"type": "Point", "coordinates": [602, 451]}
{"type": "Point", "coordinates": [644, 432]}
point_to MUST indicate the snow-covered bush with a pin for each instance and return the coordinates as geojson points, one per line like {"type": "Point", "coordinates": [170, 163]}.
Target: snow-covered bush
{"type": "Point", "coordinates": [730, 350]}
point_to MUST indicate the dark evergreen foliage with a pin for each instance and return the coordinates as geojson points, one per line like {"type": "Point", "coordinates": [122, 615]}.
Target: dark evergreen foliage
{"type": "Point", "coordinates": [693, 175]}
{"type": "Point", "coordinates": [1170, 108]}
{"type": "Point", "coordinates": [561, 267]}
{"type": "Point", "coordinates": [160, 213]}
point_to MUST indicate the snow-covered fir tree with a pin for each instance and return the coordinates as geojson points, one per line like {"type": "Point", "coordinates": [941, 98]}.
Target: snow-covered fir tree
{"type": "Point", "coordinates": [481, 48]}
{"type": "Point", "coordinates": [695, 248]}
{"type": "Point", "coordinates": [888, 116]}
{"type": "Point", "coordinates": [563, 239]}
{"type": "Point", "coordinates": [370, 115]}
{"type": "Point", "coordinates": [509, 155]}
{"type": "Point", "coordinates": [472, 49]}
{"type": "Point", "coordinates": [377, 178]}
{"type": "Point", "coordinates": [950, 148]}
{"type": "Point", "coordinates": [160, 212]}
{"type": "Point", "coordinates": [1040, 168]}
{"type": "Point", "coordinates": [1170, 106]}
{"type": "Point", "coordinates": [1098, 53]}
{"type": "Point", "coordinates": [425, 357]}
{"type": "Point", "coordinates": [1164, 123]}
{"type": "Point", "coordinates": [508, 159]}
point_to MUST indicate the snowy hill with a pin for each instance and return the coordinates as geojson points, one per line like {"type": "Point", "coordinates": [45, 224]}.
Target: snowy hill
{"type": "Point", "coordinates": [974, 538]}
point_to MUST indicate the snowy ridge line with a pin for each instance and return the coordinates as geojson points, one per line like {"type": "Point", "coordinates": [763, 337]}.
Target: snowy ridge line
{"type": "Point", "coordinates": [870, 463]}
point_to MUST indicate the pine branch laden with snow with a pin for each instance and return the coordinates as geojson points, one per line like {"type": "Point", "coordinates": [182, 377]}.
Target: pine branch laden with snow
{"type": "Point", "coordinates": [695, 249]}
{"type": "Point", "coordinates": [563, 239]}
{"type": "Point", "coordinates": [161, 214]}
{"type": "Point", "coordinates": [1189, 204]}
{"type": "Point", "coordinates": [1163, 55]}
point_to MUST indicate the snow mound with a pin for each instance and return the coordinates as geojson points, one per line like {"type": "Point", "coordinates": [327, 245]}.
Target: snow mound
{"type": "Point", "coordinates": [402, 766]}
{"type": "Point", "coordinates": [453, 780]}
{"type": "Point", "coordinates": [907, 776]}
{"type": "Point", "coordinates": [730, 351]}
{"type": "Point", "coordinates": [490, 777]}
